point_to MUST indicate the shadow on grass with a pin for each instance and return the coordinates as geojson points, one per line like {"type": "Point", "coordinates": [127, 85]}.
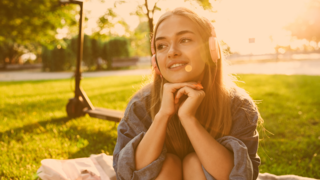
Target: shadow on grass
{"type": "Point", "coordinates": [12, 133]}
{"type": "Point", "coordinates": [88, 141]}
{"type": "Point", "coordinates": [68, 91]}
{"type": "Point", "coordinates": [97, 142]}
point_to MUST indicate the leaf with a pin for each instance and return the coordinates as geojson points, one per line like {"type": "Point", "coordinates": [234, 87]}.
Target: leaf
{"type": "Point", "coordinates": [157, 8]}
{"type": "Point", "coordinates": [206, 5]}
{"type": "Point", "coordinates": [118, 2]}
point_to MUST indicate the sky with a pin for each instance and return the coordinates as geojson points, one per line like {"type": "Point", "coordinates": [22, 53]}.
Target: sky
{"type": "Point", "coordinates": [235, 20]}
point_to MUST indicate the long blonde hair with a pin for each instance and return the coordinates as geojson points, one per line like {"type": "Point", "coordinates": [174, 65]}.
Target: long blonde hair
{"type": "Point", "coordinates": [214, 113]}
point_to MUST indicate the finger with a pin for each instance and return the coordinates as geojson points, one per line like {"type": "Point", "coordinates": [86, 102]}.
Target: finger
{"type": "Point", "coordinates": [173, 87]}
{"type": "Point", "coordinates": [199, 86]}
{"type": "Point", "coordinates": [181, 92]}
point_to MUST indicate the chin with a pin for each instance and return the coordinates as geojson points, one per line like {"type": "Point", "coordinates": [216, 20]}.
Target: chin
{"type": "Point", "coordinates": [178, 80]}
{"type": "Point", "coordinates": [181, 77]}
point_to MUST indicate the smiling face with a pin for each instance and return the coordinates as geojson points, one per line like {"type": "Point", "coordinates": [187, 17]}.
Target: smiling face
{"type": "Point", "coordinates": [179, 49]}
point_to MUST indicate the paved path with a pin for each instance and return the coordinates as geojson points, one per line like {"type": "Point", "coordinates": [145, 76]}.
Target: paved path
{"type": "Point", "coordinates": [303, 67]}
{"type": "Point", "coordinates": [306, 67]}
{"type": "Point", "coordinates": [29, 75]}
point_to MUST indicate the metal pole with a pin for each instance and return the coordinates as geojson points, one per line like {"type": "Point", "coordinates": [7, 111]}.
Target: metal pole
{"type": "Point", "coordinates": [79, 56]}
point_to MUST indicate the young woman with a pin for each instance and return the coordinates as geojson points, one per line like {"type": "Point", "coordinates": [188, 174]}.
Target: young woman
{"type": "Point", "coordinates": [192, 121]}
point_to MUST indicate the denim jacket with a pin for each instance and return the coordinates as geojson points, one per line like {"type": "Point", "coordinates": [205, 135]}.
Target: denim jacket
{"type": "Point", "coordinates": [242, 140]}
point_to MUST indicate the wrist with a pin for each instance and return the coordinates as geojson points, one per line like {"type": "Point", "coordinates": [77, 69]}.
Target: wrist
{"type": "Point", "coordinates": [186, 116]}
{"type": "Point", "coordinates": [162, 116]}
{"type": "Point", "coordinates": [187, 119]}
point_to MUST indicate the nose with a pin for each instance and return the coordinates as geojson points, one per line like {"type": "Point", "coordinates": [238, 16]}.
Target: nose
{"type": "Point", "coordinates": [174, 51]}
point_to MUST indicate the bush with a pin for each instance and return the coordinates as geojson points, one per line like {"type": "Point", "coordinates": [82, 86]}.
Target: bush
{"type": "Point", "coordinates": [58, 59]}
{"type": "Point", "coordinates": [64, 56]}
{"type": "Point", "coordinates": [117, 47]}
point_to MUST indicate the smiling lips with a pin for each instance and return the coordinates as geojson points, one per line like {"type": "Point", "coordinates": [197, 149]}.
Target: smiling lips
{"type": "Point", "coordinates": [177, 65]}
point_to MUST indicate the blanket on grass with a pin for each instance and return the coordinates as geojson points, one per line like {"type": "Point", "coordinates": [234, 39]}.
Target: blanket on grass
{"type": "Point", "coordinates": [99, 167]}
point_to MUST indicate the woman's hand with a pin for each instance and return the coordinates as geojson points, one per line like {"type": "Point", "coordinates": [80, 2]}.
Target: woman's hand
{"type": "Point", "coordinates": [168, 105]}
{"type": "Point", "coordinates": [188, 108]}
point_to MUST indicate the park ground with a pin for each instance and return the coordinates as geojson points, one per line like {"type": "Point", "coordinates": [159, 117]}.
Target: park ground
{"type": "Point", "coordinates": [304, 67]}
{"type": "Point", "coordinates": [34, 125]}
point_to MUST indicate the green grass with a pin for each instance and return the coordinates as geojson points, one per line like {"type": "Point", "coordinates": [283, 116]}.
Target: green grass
{"type": "Point", "coordinates": [33, 123]}
{"type": "Point", "coordinates": [290, 107]}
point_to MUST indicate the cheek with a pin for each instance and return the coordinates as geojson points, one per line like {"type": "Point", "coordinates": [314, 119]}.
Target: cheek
{"type": "Point", "coordinates": [198, 67]}
{"type": "Point", "coordinates": [197, 57]}
{"type": "Point", "coordinates": [161, 60]}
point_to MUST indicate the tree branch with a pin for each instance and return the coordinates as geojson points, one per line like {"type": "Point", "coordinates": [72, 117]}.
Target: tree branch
{"type": "Point", "coordinates": [154, 7]}
{"type": "Point", "coordinates": [146, 4]}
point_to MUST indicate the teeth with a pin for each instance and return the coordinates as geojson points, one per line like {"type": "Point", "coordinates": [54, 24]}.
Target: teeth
{"type": "Point", "coordinates": [176, 65]}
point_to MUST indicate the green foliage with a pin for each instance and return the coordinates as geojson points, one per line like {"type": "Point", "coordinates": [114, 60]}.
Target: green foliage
{"type": "Point", "coordinates": [34, 126]}
{"type": "Point", "coordinates": [140, 44]}
{"type": "Point", "coordinates": [96, 48]}
{"type": "Point", "coordinates": [105, 23]}
{"type": "Point", "coordinates": [63, 56]}
{"type": "Point", "coordinates": [27, 24]}
{"type": "Point", "coordinates": [205, 4]}
{"type": "Point", "coordinates": [225, 48]}
{"type": "Point", "coordinates": [145, 11]}
{"type": "Point", "coordinates": [87, 51]}
{"type": "Point", "coordinates": [115, 48]}
{"type": "Point", "coordinates": [58, 59]}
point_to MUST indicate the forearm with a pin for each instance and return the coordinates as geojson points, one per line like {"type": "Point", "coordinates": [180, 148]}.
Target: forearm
{"type": "Point", "coordinates": [150, 147]}
{"type": "Point", "coordinates": [214, 157]}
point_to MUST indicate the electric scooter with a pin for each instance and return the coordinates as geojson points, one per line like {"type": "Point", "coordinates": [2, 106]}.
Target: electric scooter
{"type": "Point", "coordinates": [80, 104]}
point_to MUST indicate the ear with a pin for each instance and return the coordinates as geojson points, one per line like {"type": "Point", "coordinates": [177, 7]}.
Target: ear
{"type": "Point", "coordinates": [154, 64]}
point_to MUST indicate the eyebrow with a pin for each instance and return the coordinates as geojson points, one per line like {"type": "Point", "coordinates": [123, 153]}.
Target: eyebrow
{"type": "Point", "coordinates": [177, 34]}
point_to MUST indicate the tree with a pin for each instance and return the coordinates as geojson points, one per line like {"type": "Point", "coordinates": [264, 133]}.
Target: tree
{"type": "Point", "coordinates": [61, 57]}
{"type": "Point", "coordinates": [28, 24]}
{"type": "Point", "coordinates": [205, 4]}
{"type": "Point", "coordinates": [306, 25]}
{"type": "Point", "coordinates": [105, 23]}
{"type": "Point", "coordinates": [149, 13]}
{"type": "Point", "coordinates": [147, 10]}
{"type": "Point", "coordinates": [139, 46]}
{"type": "Point", "coordinates": [115, 47]}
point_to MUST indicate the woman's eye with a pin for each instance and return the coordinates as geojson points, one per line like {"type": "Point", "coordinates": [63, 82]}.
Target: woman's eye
{"type": "Point", "coordinates": [160, 46]}
{"type": "Point", "coordinates": [185, 40]}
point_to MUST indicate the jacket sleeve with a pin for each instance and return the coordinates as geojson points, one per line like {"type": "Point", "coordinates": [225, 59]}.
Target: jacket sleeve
{"type": "Point", "coordinates": [131, 130]}
{"type": "Point", "coordinates": [242, 141]}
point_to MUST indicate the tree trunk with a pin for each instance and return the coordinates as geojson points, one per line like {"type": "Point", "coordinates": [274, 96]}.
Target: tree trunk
{"type": "Point", "coordinates": [150, 21]}
{"type": "Point", "coordinates": [4, 64]}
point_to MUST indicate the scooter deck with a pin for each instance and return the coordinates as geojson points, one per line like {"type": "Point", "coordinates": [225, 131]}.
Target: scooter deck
{"type": "Point", "coordinates": [106, 114]}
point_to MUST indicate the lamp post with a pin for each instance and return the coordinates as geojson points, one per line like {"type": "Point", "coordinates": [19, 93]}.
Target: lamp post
{"type": "Point", "coordinates": [81, 104]}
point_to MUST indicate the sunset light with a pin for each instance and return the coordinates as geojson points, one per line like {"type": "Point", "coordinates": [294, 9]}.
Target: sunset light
{"type": "Point", "coordinates": [235, 21]}
{"type": "Point", "coordinates": [160, 89]}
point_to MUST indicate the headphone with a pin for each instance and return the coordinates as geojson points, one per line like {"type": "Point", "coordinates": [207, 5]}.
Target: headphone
{"type": "Point", "coordinates": [213, 47]}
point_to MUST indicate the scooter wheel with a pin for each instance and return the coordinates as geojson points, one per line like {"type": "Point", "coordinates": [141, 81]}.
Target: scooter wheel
{"type": "Point", "coordinates": [75, 108]}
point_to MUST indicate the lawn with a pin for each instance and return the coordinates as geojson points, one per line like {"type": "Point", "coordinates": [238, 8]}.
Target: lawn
{"type": "Point", "coordinates": [34, 126]}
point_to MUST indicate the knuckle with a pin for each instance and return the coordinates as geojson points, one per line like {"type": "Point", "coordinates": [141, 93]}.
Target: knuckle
{"type": "Point", "coordinates": [202, 93]}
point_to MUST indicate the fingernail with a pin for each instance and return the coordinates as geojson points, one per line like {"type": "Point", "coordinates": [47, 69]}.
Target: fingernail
{"type": "Point", "coordinates": [199, 85]}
